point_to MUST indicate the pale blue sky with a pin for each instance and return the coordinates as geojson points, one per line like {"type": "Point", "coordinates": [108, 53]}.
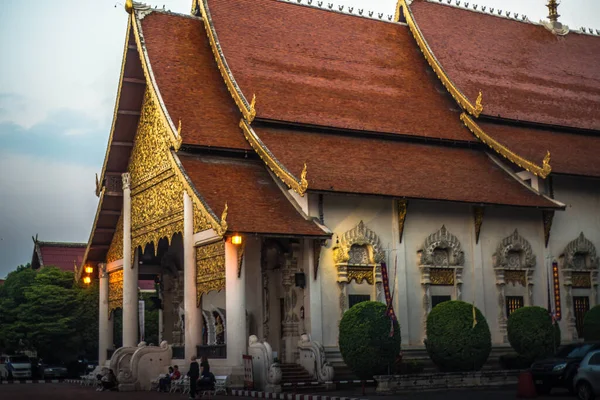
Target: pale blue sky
{"type": "Point", "coordinates": [59, 70]}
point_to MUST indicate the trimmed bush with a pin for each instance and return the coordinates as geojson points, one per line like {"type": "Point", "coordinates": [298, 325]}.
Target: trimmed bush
{"type": "Point", "coordinates": [532, 334]}
{"type": "Point", "coordinates": [365, 341]}
{"type": "Point", "coordinates": [591, 324]}
{"type": "Point", "coordinates": [452, 342]}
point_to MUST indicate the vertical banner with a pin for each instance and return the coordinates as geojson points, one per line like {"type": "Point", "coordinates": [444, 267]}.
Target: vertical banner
{"type": "Point", "coordinates": [248, 372]}
{"type": "Point", "coordinates": [388, 298]}
{"type": "Point", "coordinates": [141, 315]}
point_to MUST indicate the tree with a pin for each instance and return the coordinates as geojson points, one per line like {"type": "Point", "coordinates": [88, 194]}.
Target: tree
{"type": "Point", "coordinates": [591, 324]}
{"type": "Point", "coordinates": [454, 341]}
{"type": "Point", "coordinates": [531, 333]}
{"type": "Point", "coordinates": [365, 341]}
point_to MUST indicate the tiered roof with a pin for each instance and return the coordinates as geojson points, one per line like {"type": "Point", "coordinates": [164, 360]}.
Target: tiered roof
{"type": "Point", "coordinates": [64, 255]}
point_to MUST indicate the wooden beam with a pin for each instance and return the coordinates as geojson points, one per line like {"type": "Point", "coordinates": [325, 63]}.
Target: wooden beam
{"type": "Point", "coordinates": [122, 144]}
{"type": "Point", "coordinates": [105, 230]}
{"type": "Point", "coordinates": [99, 247]}
{"type": "Point", "coordinates": [115, 194]}
{"type": "Point", "coordinates": [128, 112]}
{"type": "Point", "coordinates": [135, 80]}
{"type": "Point", "coordinates": [132, 47]}
{"type": "Point", "coordinates": [110, 212]}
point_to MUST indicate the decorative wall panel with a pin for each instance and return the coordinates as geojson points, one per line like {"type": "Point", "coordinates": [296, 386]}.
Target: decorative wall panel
{"type": "Point", "coordinates": [115, 290]}
{"type": "Point", "coordinates": [210, 268]}
{"type": "Point", "coordinates": [115, 251]}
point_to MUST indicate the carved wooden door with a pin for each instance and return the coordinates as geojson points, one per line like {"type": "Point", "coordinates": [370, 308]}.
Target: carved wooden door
{"type": "Point", "coordinates": [581, 305]}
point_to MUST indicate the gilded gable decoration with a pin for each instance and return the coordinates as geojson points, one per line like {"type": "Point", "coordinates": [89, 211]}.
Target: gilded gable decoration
{"type": "Point", "coordinates": [115, 290]}
{"type": "Point", "coordinates": [478, 220]}
{"type": "Point", "coordinates": [210, 269]}
{"type": "Point", "coordinates": [360, 235]}
{"type": "Point", "coordinates": [402, 210]}
{"type": "Point", "coordinates": [115, 251]}
{"type": "Point", "coordinates": [580, 271]}
{"type": "Point", "coordinates": [514, 264]}
{"type": "Point", "coordinates": [358, 256]}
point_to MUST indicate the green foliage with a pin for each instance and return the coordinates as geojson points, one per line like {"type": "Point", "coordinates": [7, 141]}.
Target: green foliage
{"type": "Point", "coordinates": [453, 344]}
{"type": "Point", "coordinates": [150, 319]}
{"type": "Point", "coordinates": [365, 341]}
{"type": "Point", "coordinates": [44, 310]}
{"type": "Point", "coordinates": [591, 324]}
{"type": "Point", "coordinates": [532, 334]}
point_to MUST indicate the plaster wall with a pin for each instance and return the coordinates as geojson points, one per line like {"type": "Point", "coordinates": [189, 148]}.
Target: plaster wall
{"type": "Point", "coordinates": [582, 214]}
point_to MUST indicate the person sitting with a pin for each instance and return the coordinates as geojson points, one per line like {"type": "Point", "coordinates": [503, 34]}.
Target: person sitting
{"type": "Point", "coordinates": [109, 381]}
{"type": "Point", "coordinates": [207, 379]}
{"type": "Point", "coordinates": [165, 381]}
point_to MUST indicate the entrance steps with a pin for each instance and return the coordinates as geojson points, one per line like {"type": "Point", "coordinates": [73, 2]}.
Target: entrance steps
{"type": "Point", "coordinates": [295, 378]}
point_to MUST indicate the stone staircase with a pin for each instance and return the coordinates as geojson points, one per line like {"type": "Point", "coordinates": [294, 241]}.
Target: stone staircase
{"type": "Point", "coordinates": [298, 377]}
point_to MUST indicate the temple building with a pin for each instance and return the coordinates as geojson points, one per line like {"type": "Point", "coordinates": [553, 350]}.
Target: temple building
{"type": "Point", "coordinates": [67, 256]}
{"type": "Point", "coordinates": [266, 157]}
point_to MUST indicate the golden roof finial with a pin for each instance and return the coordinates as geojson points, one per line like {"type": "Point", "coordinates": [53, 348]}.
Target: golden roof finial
{"type": "Point", "coordinates": [478, 104]}
{"type": "Point", "coordinates": [553, 10]}
{"type": "Point", "coordinates": [303, 181]}
{"type": "Point", "coordinates": [129, 6]}
{"type": "Point", "coordinates": [223, 223]}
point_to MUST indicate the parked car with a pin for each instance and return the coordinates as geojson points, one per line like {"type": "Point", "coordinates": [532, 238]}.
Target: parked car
{"type": "Point", "coordinates": [587, 380]}
{"type": "Point", "coordinates": [18, 367]}
{"type": "Point", "coordinates": [560, 370]}
{"type": "Point", "coordinates": [55, 371]}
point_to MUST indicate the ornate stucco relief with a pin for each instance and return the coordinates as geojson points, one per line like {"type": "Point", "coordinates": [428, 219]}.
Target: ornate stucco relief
{"type": "Point", "coordinates": [441, 263]}
{"type": "Point", "coordinates": [513, 263]}
{"type": "Point", "coordinates": [580, 270]}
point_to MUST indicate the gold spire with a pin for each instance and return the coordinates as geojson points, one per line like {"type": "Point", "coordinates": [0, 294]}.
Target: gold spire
{"type": "Point", "coordinates": [553, 10]}
{"type": "Point", "coordinates": [129, 6]}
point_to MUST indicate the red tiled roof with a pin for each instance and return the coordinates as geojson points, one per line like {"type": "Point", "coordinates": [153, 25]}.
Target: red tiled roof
{"type": "Point", "coordinates": [189, 81]}
{"type": "Point", "coordinates": [570, 153]}
{"type": "Point", "coordinates": [318, 67]}
{"type": "Point", "coordinates": [62, 255]}
{"type": "Point", "coordinates": [524, 71]}
{"type": "Point", "coordinates": [256, 204]}
{"type": "Point", "coordinates": [399, 169]}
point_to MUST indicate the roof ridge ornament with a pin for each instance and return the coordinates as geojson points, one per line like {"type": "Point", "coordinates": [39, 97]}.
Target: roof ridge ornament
{"type": "Point", "coordinates": [552, 24]}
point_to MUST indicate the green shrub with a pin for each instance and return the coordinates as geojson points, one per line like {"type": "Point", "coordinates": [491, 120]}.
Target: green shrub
{"type": "Point", "coordinates": [453, 344]}
{"type": "Point", "coordinates": [365, 341]}
{"type": "Point", "coordinates": [531, 332]}
{"type": "Point", "coordinates": [591, 324]}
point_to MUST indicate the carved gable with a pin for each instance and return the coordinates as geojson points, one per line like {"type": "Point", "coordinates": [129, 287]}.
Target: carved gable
{"type": "Point", "coordinates": [514, 252]}
{"type": "Point", "coordinates": [580, 254]}
{"type": "Point", "coordinates": [442, 249]}
{"type": "Point", "coordinates": [359, 245]}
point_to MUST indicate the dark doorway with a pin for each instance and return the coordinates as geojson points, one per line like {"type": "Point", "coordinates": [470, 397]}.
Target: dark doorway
{"type": "Point", "coordinates": [354, 299]}
{"type": "Point", "coordinates": [435, 300]}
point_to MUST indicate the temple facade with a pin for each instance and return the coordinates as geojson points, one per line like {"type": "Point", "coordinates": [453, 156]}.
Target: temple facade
{"type": "Point", "coordinates": [266, 158]}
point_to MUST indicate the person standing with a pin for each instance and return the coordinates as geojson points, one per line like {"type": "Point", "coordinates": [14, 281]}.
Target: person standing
{"type": "Point", "coordinates": [194, 374]}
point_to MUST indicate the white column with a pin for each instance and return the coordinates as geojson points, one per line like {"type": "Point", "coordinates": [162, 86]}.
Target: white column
{"type": "Point", "coordinates": [130, 273]}
{"type": "Point", "coordinates": [400, 279]}
{"type": "Point", "coordinates": [235, 304]}
{"type": "Point", "coordinates": [193, 314]}
{"type": "Point", "coordinates": [105, 326]}
{"type": "Point", "coordinates": [314, 292]}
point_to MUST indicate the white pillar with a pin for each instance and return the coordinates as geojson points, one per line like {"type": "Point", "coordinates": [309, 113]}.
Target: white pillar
{"type": "Point", "coordinates": [235, 305]}
{"type": "Point", "coordinates": [400, 278]}
{"type": "Point", "coordinates": [193, 314]}
{"type": "Point", "coordinates": [315, 312]}
{"type": "Point", "coordinates": [105, 326]}
{"type": "Point", "coordinates": [130, 273]}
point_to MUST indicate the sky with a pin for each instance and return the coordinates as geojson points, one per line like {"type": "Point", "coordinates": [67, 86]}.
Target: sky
{"type": "Point", "coordinates": [59, 69]}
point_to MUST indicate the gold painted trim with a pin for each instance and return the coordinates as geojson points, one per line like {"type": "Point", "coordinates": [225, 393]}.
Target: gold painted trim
{"type": "Point", "coordinates": [247, 109]}
{"type": "Point", "coordinates": [297, 185]}
{"type": "Point", "coordinates": [504, 151]}
{"type": "Point", "coordinates": [175, 136]}
{"type": "Point", "coordinates": [454, 91]}
{"type": "Point", "coordinates": [402, 210]}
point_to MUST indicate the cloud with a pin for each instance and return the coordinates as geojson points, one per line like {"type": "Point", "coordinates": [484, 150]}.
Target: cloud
{"type": "Point", "coordinates": [54, 199]}
{"type": "Point", "coordinates": [64, 135]}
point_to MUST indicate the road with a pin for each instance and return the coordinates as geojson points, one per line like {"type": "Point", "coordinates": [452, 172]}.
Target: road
{"type": "Point", "coordinates": [65, 391]}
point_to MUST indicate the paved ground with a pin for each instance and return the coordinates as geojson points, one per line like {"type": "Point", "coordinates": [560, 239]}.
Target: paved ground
{"type": "Point", "coordinates": [64, 391]}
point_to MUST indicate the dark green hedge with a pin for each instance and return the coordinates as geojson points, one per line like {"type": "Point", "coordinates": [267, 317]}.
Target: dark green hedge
{"type": "Point", "coordinates": [365, 343]}
{"type": "Point", "coordinates": [532, 334]}
{"type": "Point", "coordinates": [452, 342]}
{"type": "Point", "coordinates": [591, 324]}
